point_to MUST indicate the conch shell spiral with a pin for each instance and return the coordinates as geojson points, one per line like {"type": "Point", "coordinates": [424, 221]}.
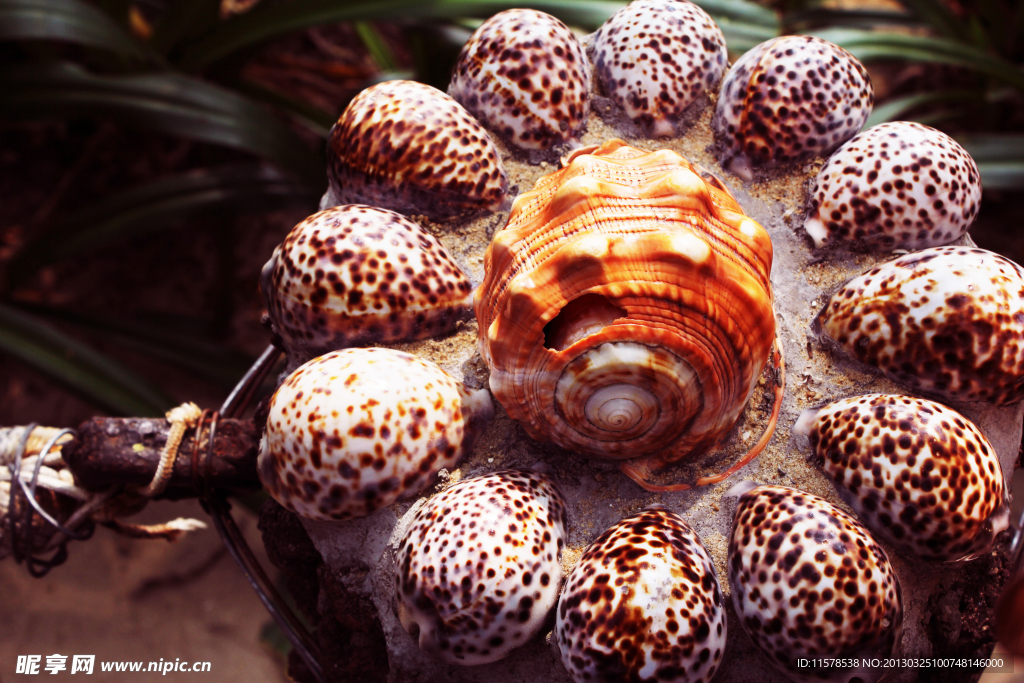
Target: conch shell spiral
{"type": "Point", "coordinates": [626, 309]}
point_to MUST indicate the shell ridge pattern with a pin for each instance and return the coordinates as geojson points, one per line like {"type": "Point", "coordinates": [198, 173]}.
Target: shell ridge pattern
{"type": "Point", "coordinates": [580, 270]}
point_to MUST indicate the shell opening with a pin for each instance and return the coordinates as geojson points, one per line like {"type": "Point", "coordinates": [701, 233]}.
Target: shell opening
{"type": "Point", "coordinates": [581, 317]}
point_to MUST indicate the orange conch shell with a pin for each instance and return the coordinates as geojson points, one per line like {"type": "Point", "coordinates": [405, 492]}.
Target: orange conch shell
{"type": "Point", "coordinates": [626, 308]}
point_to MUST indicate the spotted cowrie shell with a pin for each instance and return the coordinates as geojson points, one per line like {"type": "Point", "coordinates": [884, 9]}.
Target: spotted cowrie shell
{"type": "Point", "coordinates": [359, 429]}
{"type": "Point", "coordinates": [918, 474]}
{"type": "Point", "coordinates": [809, 583]}
{"type": "Point", "coordinates": [900, 185]}
{"type": "Point", "coordinates": [643, 604]}
{"type": "Point", "coordinates": [479, 567]}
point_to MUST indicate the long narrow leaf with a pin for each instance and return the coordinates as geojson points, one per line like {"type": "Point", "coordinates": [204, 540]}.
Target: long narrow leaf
{"type": "Point", "coordinates": [175, 340]}
{"type": "Point", "coordinates": [741, 36]}
{"type": "Point", "coordinates": [161, 204]}
{"type": "Point", "coordinates": [309, 115]}
{"type": "Point", "coordinates": [165, 103]}
{"type": "Point", "coordinates": [896, 109]}
{"type": "Point", "coordinates": [85, 370]}
{"type": "Point", "coordinates": [65, 20]}
{"type": "Point", "coordinates": [868, 46]}
{"type": "Point", "coordinates": [851, 18]}
{"type": "Point", "coordinates": [269, 20]}
{"type": "Point", "coordinates": [378, 48]}
{"type": "Point", "coordinates": [184, 19]}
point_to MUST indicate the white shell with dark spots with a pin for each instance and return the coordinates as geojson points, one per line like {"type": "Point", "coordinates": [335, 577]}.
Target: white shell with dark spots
{"type": "Point", "coordinates": [643, 604]}
{"type": "Point", "coordinates": [479, 568]}
{"type": "Point", "coordinates": [523, 74]}
{"type": "Point", "coordinates": [947, 321]}
{"type": "Point", "coordinates": [359, 429]}
{"type": "Point", "coordinates": [918, 474]}
{"type": "Point", "coordinates": [654, 58]}
{"type": "Point", "coordinates": [899, 185]}
{"type": "Point", "coordinates": [787, 100]}
{"type": "Point", "coordinates": [355, 275]}
{"type": "Point", "coordinates": [809, 582]}
{"type": "Point", "coordinates": [410, 148]}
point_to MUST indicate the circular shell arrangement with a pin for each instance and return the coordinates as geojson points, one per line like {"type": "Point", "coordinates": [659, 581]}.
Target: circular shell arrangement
{"type": "Point", "coordinates": [480, 566]}
{"type": "Point", "coordinates": [407, 147]}
{"type": "Point", "coordinates": [918, 474]}
{"type": "Point", "coordinates": [809, 582]}
{"type": "Point", "coordinates": [947, 321]}
{"type": "Point", "coordinates": [359, 429]}
{"type": "Point", "coordinates": [787, 100]}
{"type": "Point", "coordinates": [898, 185]}
{"type": "Point", "coordinates": [523, 74]}
{"type": "Point", "coordinates": [626, 309]}
{"type": "Point", "coordinates": [655, 58]}
{"type": "Point", "coordinates": [355, 275]}
{"type": "Point", "coordinates": [643, 604]}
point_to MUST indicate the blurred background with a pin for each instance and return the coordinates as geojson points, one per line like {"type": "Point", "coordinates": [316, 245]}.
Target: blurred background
{"type": "Point", "coordinates": [153, 153]}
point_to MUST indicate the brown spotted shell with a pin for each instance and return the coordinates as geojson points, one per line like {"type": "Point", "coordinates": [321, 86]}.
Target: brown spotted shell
{"type": "Point", "coordinates": [523, 74]}
{"type": "Point", "coordinates": [626, 308]}
{"type": "Point", "coordinates": [654, 58]}
{"type": "Point", "coordinates": [918, 474]}
{"type": "Point", "coordinates": [809, 583]}
{"type": "Point", "coordinates": [410, 148]}
{"type": "Point", "coordinates": [480, 566]}
{"type": "Point", "coordinates": [947, 321]}
{"type": "Point", "coordinates": [900, 185]}
{"type": "Point", "coordinates": [355, 275]}
{"type": "Point", "coordinates": [789, 99]}
{"type": "Point", "coordinates": [359, 429]}
{"type": "Point", "coordinates": [643, 604]}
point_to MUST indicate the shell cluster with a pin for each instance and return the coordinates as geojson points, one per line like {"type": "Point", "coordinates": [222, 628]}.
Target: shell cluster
{"type": "Point", "coordinates": [655, 58]}
{"type": "Point", "coordinates": [899, 185]}
{"type": "Point", "coordinates": [918, 474]}
{"type": "Point", "coordinates": [355, 275]}
{"type": "Point", "coordinates": [479, 568]}
{"type": "Point", "coordinates": [643, 604]}
{"type": "Point", "coordinates": [408, 147]}
{"type": "Point", "coordinates": [523, 74]}
{"type": "Point", "coordinates": [626, 308]}
{"type": "Point", "coordinates": [787, 100]}
{"type": "Point", "coordinates": [359, 429]}
{"type": "Point", "coordinates": [809, 582]}
{"type": "Point", "coordinates": [946, 321]}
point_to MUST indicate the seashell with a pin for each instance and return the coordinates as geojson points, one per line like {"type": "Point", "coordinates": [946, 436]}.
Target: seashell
{"type": "Point", "coordinates": [808, 582]}
{"type": "Point", "coordinates": [626, 309]}
{"type": "Point", "coordinates": [945, 321]}
{"type": "Point", "coordinates": [410, 148]}
{"type": "Point", "coordinates": [896, 186]}
{"type": "Point", "coordinates": [479, 568]}
{"type": "Point", "coordinates": [643, 604]}
{"type": "Point", "coordinates": [359, 429]}
{"type": "Point", "coordinates": [654, 58]}
{"type": "Point", "coordinates": [523, 74]}
{"type": "Point", "coordinates": [787, 100]}
{"type": "Point", "coordinates": [356, 275]}
{"type": "Point", "coordinates": [918, 474]}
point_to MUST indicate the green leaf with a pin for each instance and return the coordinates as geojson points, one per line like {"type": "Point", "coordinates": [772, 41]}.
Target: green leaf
{"type": "Point", "coordinates": [896, 109]}
{"type": "Point", "coordinates": [741, 36]}
{"type": "Point", "coordinates": [161, 204]}
{"type": "Point", "coordinates": [165, 103]}
{"type": "Point", "coordinates": [83, 369]}
{"type": "Point", "coordinates": [1000, 159]}
{"type": "Point", "coordinates": [308, 115]}
{"type": "Point", "coordinates": [65, 20]}
{"type": "Point", "coordinates": [378, 48]}
{"type": "Point", "coordinates": [174, 339]}
{"type": "Point", "coordinates": [828, 17]}
{"type": "Point", "coordinates": [867, 46]}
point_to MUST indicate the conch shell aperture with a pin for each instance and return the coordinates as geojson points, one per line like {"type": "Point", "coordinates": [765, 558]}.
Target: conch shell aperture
{"type": "Point", "coordinates": [626, 310]}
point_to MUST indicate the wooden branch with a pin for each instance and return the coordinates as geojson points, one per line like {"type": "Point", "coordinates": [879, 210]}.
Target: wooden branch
{"type": "Point", "coordinates": [126, 450]}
